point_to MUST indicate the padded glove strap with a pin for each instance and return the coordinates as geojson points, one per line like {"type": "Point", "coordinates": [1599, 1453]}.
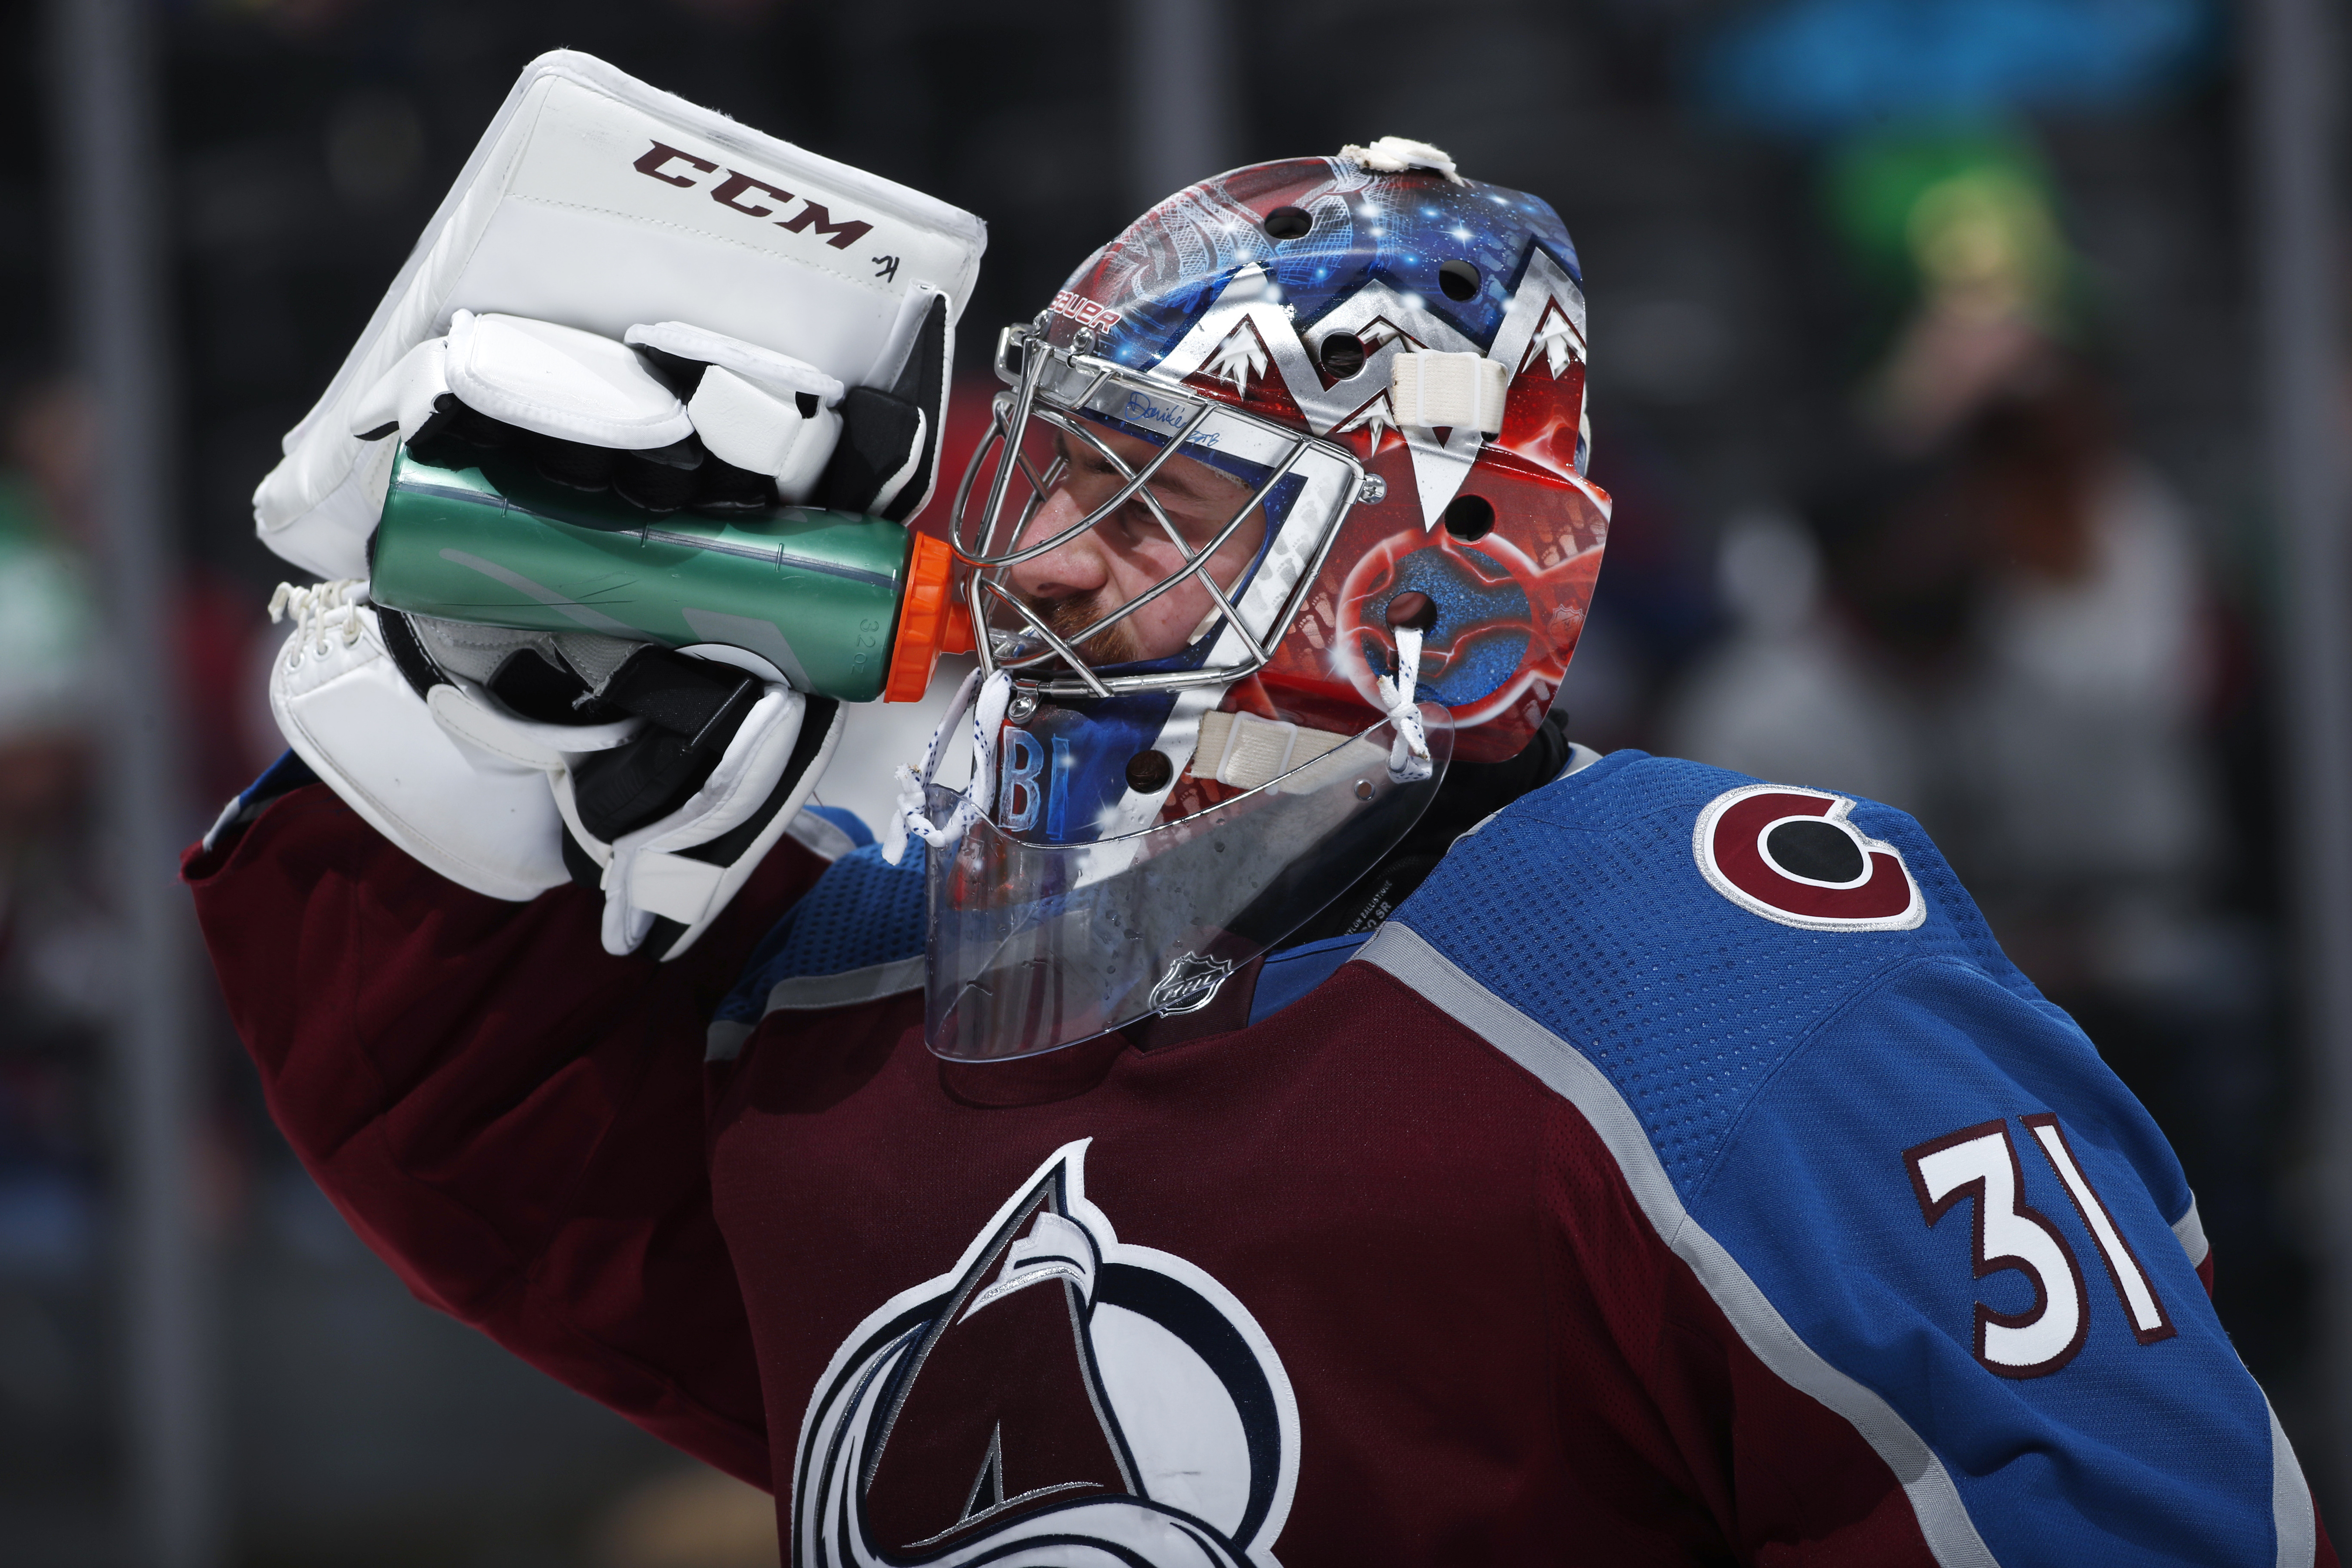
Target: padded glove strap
{"type": "Point", "coordinates": [665, 881]}
{"type": "Point", "coordinates": [1461, 391]}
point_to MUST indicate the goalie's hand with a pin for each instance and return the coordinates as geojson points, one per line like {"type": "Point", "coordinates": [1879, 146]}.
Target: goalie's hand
{"type": "Point", "coordinates": [508, 760]}
{"type": "Point", "coordinates": [674, 417]}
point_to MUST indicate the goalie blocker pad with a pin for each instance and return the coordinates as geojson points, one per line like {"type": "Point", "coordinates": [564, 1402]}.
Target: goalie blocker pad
{"type": "Point", "coordinates": [594, 201]}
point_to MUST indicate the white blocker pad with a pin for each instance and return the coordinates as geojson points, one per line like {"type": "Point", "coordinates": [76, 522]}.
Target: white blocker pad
{"type": "Point", "coordinates": [755, 429]}
{"type": "Point", "coordinates": [596, 202]}
{"type": "Point", "coordinates": [562, 382]}
{"type": "Point", "coordinates": [755, 408]}
{"type": "Point", "coordinates": [551, 380]}
{"type": "Point", "coordinates": [779, 374]}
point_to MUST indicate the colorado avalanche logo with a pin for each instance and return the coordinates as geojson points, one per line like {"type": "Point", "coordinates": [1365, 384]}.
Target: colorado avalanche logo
{"type": "Point", "coordinates": [1789, 855]}
{"type": "Point", "coordinates": [1504, 624]}
{"type": "Point", "coordinates": [1057, 1397]}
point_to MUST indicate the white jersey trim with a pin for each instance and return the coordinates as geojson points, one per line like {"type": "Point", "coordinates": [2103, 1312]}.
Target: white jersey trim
{"type": "Point", "coordinates": [2190, 1230]}
{"type": "Point", "coordinates": [816, 993]}
{"type": "Point", "coordinates": [820, 838]}
{"type": "Point", "coordinates": [2292, 1514]}
{"type": "Point", "coordinates": [1935, 1502]}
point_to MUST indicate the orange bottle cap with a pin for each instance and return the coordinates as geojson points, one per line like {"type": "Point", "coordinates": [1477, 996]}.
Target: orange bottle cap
{"type": "Point", "coordinates": [931, 621]}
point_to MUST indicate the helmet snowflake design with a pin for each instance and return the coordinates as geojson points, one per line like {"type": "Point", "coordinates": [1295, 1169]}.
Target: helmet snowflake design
{"type": "Point", "coordinates": [1386, 362]}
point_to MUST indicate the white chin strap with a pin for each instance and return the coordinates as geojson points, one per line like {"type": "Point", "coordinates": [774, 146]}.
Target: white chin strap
{"type": "Point", "coordinates": [987, 713]}
{"type": "Point", "coordinates": [1409, 757]}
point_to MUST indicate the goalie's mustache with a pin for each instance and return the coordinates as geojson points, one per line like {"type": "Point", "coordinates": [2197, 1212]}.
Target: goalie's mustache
{"type": "Point", "coordinates": [1071, 619]}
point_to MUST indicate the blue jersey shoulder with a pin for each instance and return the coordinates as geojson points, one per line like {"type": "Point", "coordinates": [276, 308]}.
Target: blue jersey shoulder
{"type": "Point", "coordinates": [1686, 928]}
{"type": "Point", "coordinates": [863, 915]}
{"type": "Point", "coordinates": [1921, 1167]}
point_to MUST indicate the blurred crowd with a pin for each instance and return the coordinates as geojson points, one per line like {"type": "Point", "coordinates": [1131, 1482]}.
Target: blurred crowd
{"type": "Point", "coordinates": [55, 942]}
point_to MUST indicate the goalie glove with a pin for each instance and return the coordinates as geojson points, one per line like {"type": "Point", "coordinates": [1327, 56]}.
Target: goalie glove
{"type": "Point", "coordinates": [595, 205]}
{"type": "Point", "coordinates": [509, 761]}
{"type": "Point", "coordinates": [665, 875]}
{"type": "Point", "coordinates": [470, 798]}
{"type": "Point", "coordinates": [679, 416]}
{"type": "Point", "coordinates": [669, 823]}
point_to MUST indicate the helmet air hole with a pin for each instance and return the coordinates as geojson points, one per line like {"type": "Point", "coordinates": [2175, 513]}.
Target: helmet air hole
{"type": "Point", "coordinates": [1409, 608]}
{"type": "Point", "coordinates": [1342, 354]}
{"type": "Point", "coordinates": [1288, 223]}
{"type": "Point", "coordinates": [1148, 772]}
{"type": "Point", "coordinates": [1469, 517]}
{"type": "Point", "coordinates": [1459, 280]}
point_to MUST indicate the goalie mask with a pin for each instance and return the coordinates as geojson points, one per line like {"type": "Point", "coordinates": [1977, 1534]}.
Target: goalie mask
{"type": "Point", "coordinates": [1282, 508]}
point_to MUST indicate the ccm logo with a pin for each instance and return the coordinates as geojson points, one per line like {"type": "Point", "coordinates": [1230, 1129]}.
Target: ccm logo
{"type": "Point", "coordinates": [1790, 855]}
{"type": "Point", "coordinates": [742, 193]}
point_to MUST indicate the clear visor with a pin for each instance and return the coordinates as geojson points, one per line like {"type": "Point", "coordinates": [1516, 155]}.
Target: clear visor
{"type": "Point", "coordinates": [1035, 946]}
{"type": "Point", "coordinates": [1200, 477]}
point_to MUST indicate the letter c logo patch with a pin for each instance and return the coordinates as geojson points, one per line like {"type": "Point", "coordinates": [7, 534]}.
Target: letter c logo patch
{"type": "Point", "coordinates": [1790, 855]}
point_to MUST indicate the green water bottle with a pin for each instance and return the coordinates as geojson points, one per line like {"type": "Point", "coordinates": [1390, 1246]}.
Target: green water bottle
{"type": "Point", "coordinates": [845, 606]}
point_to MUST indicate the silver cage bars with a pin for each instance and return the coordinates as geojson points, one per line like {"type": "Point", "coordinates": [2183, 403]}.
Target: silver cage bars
{"type": "Point", "coordinates": [1055, 387]}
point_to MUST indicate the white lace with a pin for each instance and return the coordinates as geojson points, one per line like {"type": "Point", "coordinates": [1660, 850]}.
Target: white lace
{"type": "Point", "coordinates": [320, 609]}
{"type": "Point", "coordinates": [987, 710]}
{"type": "Point", "coordinates": [1409, 757]}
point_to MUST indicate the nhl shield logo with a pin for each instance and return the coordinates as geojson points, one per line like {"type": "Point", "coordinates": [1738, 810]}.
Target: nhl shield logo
{"type": "Point", "coordinates": [1057, 1396]}
{"type": "Point", "coordinates": [1190, 985]}
{"type": "Point", "coordinates": [1790, 855]}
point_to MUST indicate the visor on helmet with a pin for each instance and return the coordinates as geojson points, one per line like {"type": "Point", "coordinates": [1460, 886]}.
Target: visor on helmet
{"type": "Point", "coordinates": [1038, 946]}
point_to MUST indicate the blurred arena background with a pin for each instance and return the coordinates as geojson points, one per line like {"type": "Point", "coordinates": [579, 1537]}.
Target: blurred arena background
{"type": "Point", "coordinates": [1966, 372]}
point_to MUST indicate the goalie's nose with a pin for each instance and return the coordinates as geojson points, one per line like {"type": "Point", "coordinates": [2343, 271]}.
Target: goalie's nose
{"type": "Point", "coordinates": [1072, 570]}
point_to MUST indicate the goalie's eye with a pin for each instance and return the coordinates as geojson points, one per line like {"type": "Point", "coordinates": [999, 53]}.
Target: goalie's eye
{"type": "Point", "coordinates": [1086, 464]}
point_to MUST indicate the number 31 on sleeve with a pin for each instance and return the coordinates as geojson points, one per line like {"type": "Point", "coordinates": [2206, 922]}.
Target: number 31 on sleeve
{"type": "Point", "coordinates": [1981, 1164]}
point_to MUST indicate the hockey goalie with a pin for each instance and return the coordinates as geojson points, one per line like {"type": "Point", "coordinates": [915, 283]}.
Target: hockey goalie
{"type": "Point", "coordinates": [1288, 1105]}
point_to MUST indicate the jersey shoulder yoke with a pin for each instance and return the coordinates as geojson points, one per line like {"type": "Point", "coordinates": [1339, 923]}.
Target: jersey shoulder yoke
{"type": "Point", "coordinates": [1687, 928]}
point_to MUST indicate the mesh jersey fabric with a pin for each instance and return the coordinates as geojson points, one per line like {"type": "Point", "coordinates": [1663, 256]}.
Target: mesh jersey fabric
{"type": "Point", "coordinates": [863, 911]}
{"type": "Point", "coordinates": [1786, 1078]}
{"type": "Point", "coordinates": [1581, 905]}
{"type": "Point", "coordinates": [1431, 1235]}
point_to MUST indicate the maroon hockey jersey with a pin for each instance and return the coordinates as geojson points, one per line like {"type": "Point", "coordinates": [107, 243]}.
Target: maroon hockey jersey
{"type": "Point", "coordinates": [1385, 1278]}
